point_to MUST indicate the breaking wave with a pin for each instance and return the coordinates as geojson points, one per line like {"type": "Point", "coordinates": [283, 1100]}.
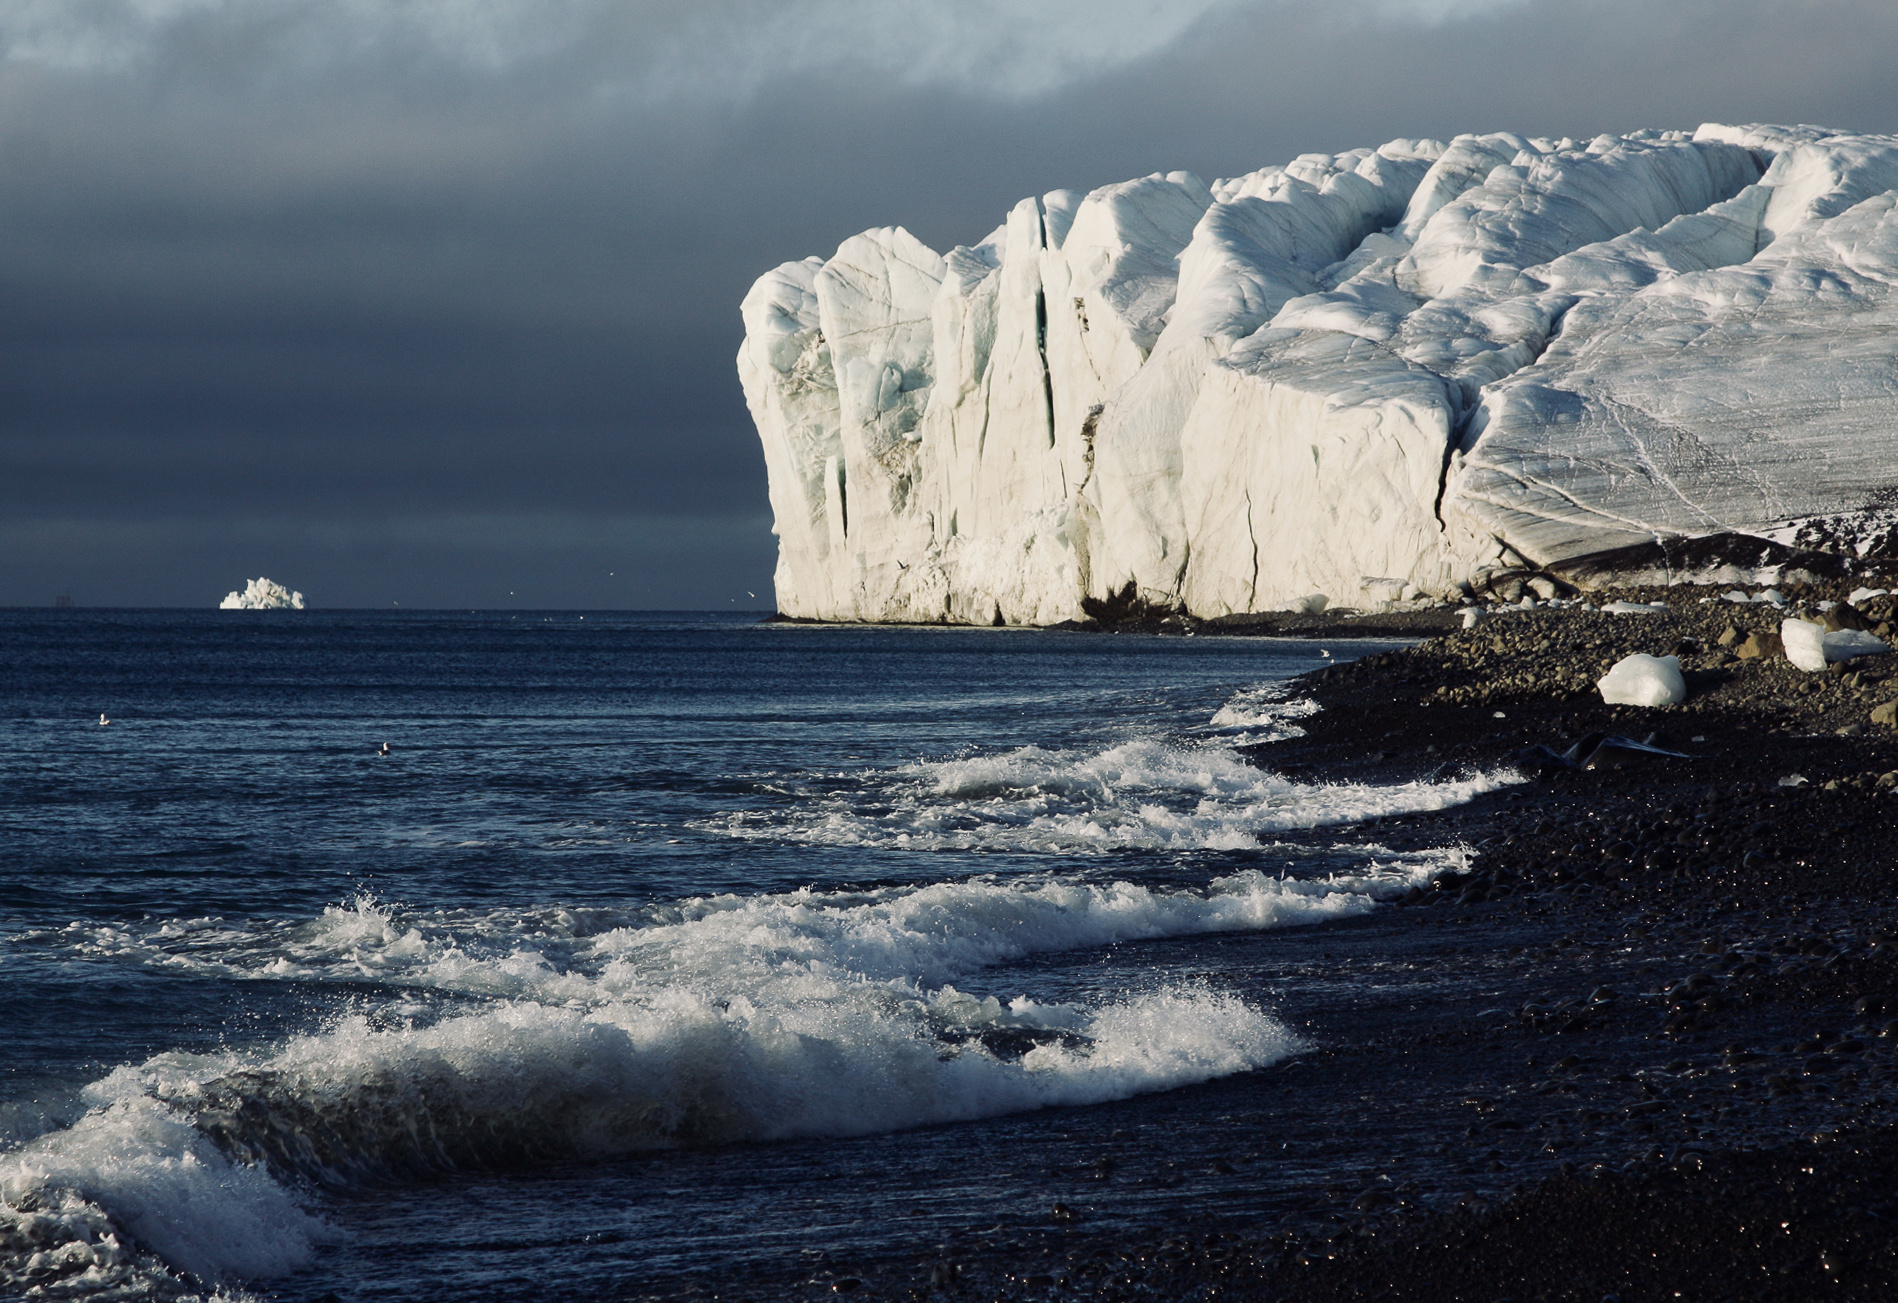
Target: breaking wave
{"type": "Point", "coordinates": [1265, 706]}
{"type": "Point", "coordinates": [487, 1039]}
{"type": "Point", "coordinates": [585, 1034]}
{"type": "Point", "coordinates": [1143, 794]}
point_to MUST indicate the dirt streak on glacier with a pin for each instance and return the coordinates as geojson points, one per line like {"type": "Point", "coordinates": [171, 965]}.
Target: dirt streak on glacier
{"type": "Point", "coordinates": [1375, 375]}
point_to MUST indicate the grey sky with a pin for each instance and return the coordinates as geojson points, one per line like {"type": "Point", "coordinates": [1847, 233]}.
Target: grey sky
{"type": "Point", "coordinates": [434, 302]}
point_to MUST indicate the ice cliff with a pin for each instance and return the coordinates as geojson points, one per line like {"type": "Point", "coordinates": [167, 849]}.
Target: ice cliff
{"type": "Point", "coordinates": [262, 595]}
{"type": "Point", "coordinates": [1375, 375]}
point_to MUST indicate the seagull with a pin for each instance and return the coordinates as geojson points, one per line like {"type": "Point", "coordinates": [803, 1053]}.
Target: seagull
{"type": "Point", "coordinates": [1322, 652]}
{"type": "Point", "coordinates": [103, 721]}
{"type": "Point", "coordinates": [385, 750]}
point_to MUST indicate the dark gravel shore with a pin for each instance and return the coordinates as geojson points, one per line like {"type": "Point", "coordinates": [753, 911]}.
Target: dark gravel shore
{"type": "Point", "coordinates": [1753, 877]}
{"type": "Point", "coordinates": [1692, 1091]}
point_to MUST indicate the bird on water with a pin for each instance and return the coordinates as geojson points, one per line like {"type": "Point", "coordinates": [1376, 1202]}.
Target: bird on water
{"type": "Point", "coordinates": [385, 750]}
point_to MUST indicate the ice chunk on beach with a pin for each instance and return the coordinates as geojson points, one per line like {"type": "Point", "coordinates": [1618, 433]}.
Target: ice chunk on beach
{"type": "Point", "coordinates": [1845, 644]}
{"type": "Point", "coordinates": [262, 595]}
{"type": "Point", "coordinates": [1642, 680]}
{"type": "Point", "coordinates": [1811, 648]}
{"type": "Point", "coordinates": [1805, 644]}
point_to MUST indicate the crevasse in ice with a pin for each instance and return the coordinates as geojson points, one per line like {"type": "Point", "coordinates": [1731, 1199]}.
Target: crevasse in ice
{"type": "Point", "coordinates": [1370, 375]}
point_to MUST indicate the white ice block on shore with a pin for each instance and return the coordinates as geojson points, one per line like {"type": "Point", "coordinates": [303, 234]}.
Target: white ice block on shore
{"type": "Point", "coordinates": [1846, 644]}
{"type": "Point", "coordinates": [1642, 680]}
{"type": "Point", "coordinates": [1805, 644]}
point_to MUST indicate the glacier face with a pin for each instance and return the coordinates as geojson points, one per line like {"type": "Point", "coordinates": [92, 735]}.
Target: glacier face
{"type": "Point", "coordinates": [1370, 375]}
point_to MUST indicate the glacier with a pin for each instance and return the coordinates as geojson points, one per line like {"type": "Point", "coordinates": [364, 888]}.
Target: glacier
{"type": "Point", "coordinates": [1380, 377]}
{"type": "Point", "coordinates": [262, 595]}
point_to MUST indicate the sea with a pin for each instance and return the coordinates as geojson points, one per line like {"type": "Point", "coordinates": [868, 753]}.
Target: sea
{"type": "Point", "coordinates": [453, 956]}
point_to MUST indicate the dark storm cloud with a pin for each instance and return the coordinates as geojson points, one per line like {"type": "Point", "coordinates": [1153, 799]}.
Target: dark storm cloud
{"type": "Point", "coordinates": [434, 301]}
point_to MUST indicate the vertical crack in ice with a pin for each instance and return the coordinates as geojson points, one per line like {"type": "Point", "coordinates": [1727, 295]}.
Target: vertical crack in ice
{"type": "Point", "coordinates": [1041, 355]}
{"type": "Point", "coordinates": [1089, 428]}
{"type": "Point", "coordinates": [1252, 537]}
{"type": "Point", "coordinates": [1458, 435]}
{"type": "Point", "coordinates": [988, 408]}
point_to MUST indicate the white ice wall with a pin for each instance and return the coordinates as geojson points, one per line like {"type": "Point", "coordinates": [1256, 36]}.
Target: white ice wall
{"type": "Point", "coordinates": [1267, 238]}
{"type": "Point", "coordinates": [1363, 374]}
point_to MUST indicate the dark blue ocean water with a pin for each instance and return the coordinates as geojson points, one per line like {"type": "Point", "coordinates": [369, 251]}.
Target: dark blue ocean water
{"type": "Point", "coordinates": [658, 945]}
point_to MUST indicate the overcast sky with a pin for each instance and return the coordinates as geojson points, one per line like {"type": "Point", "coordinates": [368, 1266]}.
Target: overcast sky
{"type": "Point", "coordinates": [436, 301]}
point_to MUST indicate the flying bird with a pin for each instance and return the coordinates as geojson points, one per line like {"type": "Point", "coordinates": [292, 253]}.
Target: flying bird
{"type": "Point", "coordinates": [103, 721]}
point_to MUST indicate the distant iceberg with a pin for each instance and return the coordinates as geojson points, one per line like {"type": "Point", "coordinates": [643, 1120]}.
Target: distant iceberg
{"type": "Point", "coordinates": [262, 595]}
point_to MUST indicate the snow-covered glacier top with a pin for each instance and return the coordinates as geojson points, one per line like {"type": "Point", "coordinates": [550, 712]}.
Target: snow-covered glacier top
{"type": "Point", "coordinates": [262, 595]}
{"type": "Point", "coordinates": [1373, 375]}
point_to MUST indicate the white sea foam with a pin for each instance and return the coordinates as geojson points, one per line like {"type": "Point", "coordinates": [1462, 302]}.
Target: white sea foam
{"type": "Point", "coordinates": [80, 1208]}
{"type": "Point", "coordinates": [929, 933]}
{"type": "Point", "coordinates": [719, 1019]}
{"type": "Point", "coordinates": [1265, 706]}
{"type": "Point", "coordinates": [1144, 794]}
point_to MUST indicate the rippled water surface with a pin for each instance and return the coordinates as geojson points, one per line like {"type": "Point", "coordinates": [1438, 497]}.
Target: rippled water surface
{"type": "Point", "coordinates": [655, 944]}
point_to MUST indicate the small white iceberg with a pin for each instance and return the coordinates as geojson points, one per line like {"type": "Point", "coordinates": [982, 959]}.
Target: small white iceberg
{"type": "Point", "coordinates": [262, 595]}
{"type": "Point", "coordinates": [1640, 680]}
